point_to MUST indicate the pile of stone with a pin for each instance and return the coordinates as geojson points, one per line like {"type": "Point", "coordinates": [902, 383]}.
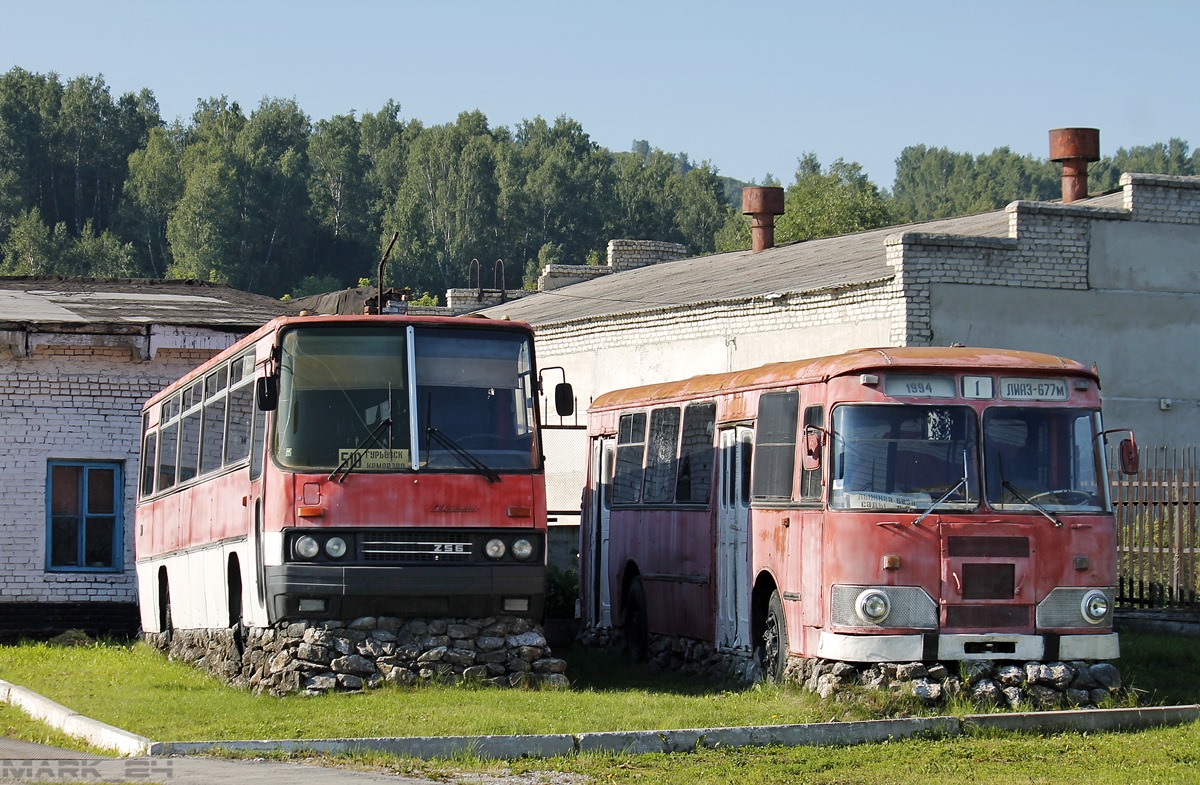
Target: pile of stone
{"type": "Point", "coordinates": [988, 684]}
{"type": "Point", "coordinates": [323, 656]}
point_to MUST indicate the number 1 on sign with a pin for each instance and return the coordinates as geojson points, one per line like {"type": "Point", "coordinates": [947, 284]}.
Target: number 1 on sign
{"type": "Point", "coordinates": [979, 387]}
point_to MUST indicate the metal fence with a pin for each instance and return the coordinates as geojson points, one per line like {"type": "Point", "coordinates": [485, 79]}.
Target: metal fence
{"type": "Point", "coordinates": [1156, 511]}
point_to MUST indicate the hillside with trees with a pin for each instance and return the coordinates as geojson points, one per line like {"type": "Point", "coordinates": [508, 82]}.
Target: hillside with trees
{"type": "Point", "coordinates": [273, 202]}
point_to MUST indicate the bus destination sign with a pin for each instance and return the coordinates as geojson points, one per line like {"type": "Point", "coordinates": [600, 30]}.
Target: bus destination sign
{"type": "Point", "coordinates": [922, 386]}
{"type": "Point", "coordinates": [1014, 388]}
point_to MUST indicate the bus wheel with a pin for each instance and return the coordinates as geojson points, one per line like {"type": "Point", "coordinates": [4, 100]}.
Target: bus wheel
{"type": "Point", "coordinates": [636, 634]}
{"type": "Point", "coordinates": [774, 641]}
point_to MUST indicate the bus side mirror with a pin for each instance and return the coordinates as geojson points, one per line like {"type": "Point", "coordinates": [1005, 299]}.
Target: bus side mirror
{"type": "Point", "coordinates": [564, 399]}
{"type": "Point", "coordinates": [266, 393]}
{"type": "Point", "coordinates": [1129, 456]}
{"type": "Point", "coordinates": [814, 440]}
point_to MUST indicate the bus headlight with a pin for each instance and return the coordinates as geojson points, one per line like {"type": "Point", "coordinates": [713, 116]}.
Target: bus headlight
{"type": "Point", "coordinates": [494, 549]}
{"type": "Point", "coordinates": [522, 549]}
{"type": "Point", "coordinates": [335, 547]}
{"type": "Point", "coordinates": [1095, 606]}
{"type": "Point", "coordinates": [307, 547]}
{"type": "Point", "coordinates": [872, 606]}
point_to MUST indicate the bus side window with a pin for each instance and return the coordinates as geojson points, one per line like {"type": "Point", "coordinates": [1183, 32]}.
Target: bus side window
{"type": "Point", "coordinates": [631, 449]}
{"type": "Point", "coordinates": [775, 446]}
{"type": "Point", "coordinates": [661, 463]}
{"type": "Point", "coordinates": [168, 444]}
{"type": "Point", "coordinates": [189, 434]}
{"type": "Point", "coordinates": [149, 462]}
{"type": "Point", "coordinates": [746, 438]}
{"type": "Point", "coordinates": [696, 451]}
{"type": "Point", "coordinates": [238, 423]}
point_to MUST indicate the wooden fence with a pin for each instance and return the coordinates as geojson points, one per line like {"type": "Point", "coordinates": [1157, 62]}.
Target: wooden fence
{"type": "Point", "coordinates": [1157, 549]}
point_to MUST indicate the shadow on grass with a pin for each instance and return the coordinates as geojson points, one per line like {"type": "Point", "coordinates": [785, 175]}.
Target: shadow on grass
{"type": "Point", "coordinates": [606, 670]}
{"type": "Point", "coordinates": [1164, 670]}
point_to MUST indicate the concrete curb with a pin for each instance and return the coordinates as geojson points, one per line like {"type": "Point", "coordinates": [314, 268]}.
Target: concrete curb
{"type": "Point", "coordinates": [1085, 720]}
{"type": "Point", "coordinates": [72, 723]}
{"type": "Point", "coordinates": [668, 741]}
{"type": "Point", "coordinates": [629, 742]}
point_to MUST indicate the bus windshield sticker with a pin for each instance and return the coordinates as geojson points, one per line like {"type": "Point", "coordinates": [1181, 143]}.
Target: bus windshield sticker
{"type": "Point", "coordinates": [919, 386]}
{"type": "Point", "coordinates": [1014, 388]}
{"type": "Point", "coordinates": [378, 459]}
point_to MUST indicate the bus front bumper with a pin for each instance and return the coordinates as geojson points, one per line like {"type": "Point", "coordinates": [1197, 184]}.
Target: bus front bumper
{"type": "Point", "coordinates": [309, 591]}
{"type": "Point", "coordinates": [950, 647]}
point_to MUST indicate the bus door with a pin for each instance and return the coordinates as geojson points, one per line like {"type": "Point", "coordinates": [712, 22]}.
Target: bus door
{"type": "Point", "coordinates": [733, 524]}
{"type": "Point", "coordinates": [600, 519]}
{"type": "Point", "coordinates": [254, 573]}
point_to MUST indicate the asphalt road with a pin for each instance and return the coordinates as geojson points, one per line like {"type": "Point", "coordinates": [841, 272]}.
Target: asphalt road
{"type": "Point", "coordinates": [23, 762]}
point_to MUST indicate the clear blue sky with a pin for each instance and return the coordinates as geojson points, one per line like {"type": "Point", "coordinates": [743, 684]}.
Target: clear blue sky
{"type": "Point", "coordinates": [750, 87]}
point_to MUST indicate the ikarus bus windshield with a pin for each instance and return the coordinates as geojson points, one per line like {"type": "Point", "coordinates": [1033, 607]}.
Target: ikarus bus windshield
{"type": "Point", "coordinates": [372, 398]}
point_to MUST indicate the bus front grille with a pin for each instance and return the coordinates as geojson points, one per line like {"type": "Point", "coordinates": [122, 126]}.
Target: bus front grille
{"type": "Point", "coordinates": [415, 548]}
{"type": "Point", "coordinates": [987, 617]}
{"type": "Point", "coordinates": [988, 547]}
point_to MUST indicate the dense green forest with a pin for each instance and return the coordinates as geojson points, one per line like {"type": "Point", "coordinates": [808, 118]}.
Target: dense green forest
{"type": "Point", "coordinates": [273, 202]}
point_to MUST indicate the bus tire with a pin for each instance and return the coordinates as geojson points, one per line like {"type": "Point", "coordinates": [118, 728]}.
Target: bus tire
{"type": "Point", "coordinates": [637, 637]}
{"type": "Point", "coordinates": [774, 645]}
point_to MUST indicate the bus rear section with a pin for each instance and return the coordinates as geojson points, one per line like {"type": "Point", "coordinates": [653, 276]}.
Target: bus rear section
{"type": "Point", "coordinates": [891, 505]}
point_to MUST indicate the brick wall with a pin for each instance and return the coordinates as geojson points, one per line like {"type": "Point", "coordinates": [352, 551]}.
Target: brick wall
{"type": "Point", "coordinates": [630, 254]}
{"type": "Point", "coordinates": [71, 402]}
{"type": "Point", "coordinates": [621, 255]}
{"type": "Point", "coordinates": [1162, 198]}
{"type": "Point", "coordinates": [1048, 248]}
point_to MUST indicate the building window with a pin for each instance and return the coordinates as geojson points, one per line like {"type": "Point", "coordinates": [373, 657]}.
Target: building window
{"type": "Point", "coordinates": [84, 521]}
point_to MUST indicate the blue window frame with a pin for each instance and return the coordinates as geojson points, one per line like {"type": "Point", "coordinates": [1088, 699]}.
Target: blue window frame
{"type": "Point", "coordinates": [84, 521]}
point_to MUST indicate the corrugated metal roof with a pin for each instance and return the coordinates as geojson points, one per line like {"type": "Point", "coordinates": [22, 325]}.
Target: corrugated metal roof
{"type": "Point", "coordinates": [81, 302]}
{"type": "Point", "coordinates": [832, 262]}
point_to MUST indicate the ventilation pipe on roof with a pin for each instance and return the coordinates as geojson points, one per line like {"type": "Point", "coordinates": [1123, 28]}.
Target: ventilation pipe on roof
{"type": "Point", "coordinates": [1074, 148]}
{"type": "Point", "coordinates": [762, 204]}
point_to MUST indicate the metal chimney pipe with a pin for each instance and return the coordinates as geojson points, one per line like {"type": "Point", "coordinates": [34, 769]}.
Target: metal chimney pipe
{"type": "Point", "coordinates": [762, 204]}
{"type": "Point", "coordinates": [1074, 148]}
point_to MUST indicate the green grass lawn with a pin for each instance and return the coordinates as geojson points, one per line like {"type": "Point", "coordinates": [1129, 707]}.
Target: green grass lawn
{"type": "Point", "coordinates": [134, 687]}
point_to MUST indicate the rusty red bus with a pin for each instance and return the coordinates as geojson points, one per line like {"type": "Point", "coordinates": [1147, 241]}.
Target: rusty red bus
{"type": "Point", "coordinates": [332, 467]}
{"type": "Point", "coordinates": [904, 504]}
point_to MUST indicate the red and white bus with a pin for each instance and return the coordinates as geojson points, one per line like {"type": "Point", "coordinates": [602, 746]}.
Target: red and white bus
{"type": "Point", "coordinates": [907, 504]}
{"type": "Point", "coordinates": [332, 467]}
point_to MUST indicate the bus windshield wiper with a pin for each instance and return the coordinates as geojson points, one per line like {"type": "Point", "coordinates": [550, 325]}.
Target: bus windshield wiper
{"type": "Point", "coordinates": [1008, 486]}
{"type": "Point", "coordinates": [351, 461]}
{"type": "Point", "coordinates": [961, 484]}
{"type": "Point", "coordinates": [464, 456]}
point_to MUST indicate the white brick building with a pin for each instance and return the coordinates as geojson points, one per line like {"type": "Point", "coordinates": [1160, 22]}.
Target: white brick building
{"type": "Point", "coordinates": [1112, 280]}
{"type": "Point", "coordinates": [77, 359]}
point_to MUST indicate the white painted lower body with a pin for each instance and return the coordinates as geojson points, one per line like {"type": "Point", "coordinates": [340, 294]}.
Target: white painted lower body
{"type": "Point", "coordinates": [199, 587]}
{"type": "Point", "coordinates": [910, 648]}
